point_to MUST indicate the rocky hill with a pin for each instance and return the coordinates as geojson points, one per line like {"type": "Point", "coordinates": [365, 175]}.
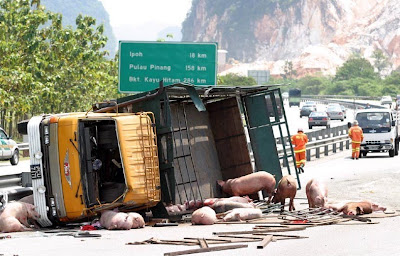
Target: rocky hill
{"type": "Point", "coordinates": [316, 35]}
{"type": "Point", "coordinates": [94, 8]}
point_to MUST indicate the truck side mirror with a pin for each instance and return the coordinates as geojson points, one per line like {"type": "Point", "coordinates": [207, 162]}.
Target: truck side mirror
{"type": "Point", "coordinates": [393, 122]}
{"type": "Point", "coordinates": [348, 125]}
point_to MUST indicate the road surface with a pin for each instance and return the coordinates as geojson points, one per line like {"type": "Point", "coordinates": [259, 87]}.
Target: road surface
{"type": "Point", "coordinates": [376, 177]}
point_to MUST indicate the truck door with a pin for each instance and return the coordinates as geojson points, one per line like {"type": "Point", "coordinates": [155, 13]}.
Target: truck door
{"type": "Point", "coordinates": [264, 113]}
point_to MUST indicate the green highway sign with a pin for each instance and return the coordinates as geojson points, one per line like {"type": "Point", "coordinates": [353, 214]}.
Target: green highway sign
{"type": "Point", "coordinates": [142, 65]}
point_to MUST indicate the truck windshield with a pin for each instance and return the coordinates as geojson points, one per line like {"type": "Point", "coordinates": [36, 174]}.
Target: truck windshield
{"type": "Point", "coordinates": [372, 122]}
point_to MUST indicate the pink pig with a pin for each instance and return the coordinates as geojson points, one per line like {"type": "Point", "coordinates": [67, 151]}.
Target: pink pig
{"type": "Point", "coordinates": [137, 220]}
{"type": "Point", "coordinates": [204, 216]}
{"type": "Point", "coordinates": [15, 217]}
{"type": "Point", "coordinates": [317, 193]}
{"type": "Point", "coordinates": [249, 184]}
{"type": "Point", "coordinates": [115, 220]}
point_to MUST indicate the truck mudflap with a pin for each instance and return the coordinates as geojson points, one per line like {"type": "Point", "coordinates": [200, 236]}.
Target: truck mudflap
{"type": "Point", "coordinates": [36, 166]}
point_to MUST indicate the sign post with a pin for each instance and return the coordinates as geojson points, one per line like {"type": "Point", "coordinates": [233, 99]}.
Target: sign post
{"type": "Point", "coordinates": [142, 65]}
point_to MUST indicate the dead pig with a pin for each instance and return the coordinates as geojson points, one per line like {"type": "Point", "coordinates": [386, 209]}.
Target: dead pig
{"type": "Point", "coordinates": [249, 184]}
{"type": "Point", "coordinates": [137, 220]}
{"type": "Point", "coordinates": [359, 208]}
{"type": "Point", "coordinates": [115, 220]}
{"type": "Point", "coordinates": [239, 214]}
{"type": "Point", "coordinates": [224, 206]}
{"type": "Point", "coordinates": [204, 216]}
{"type": "Point", "coordinates": [317, 193]}
{"type": "Point", "coordinates": [14, 217]}
{"type": "Point", "coordinates": [237, 199]}
{"type": "Point", "coordinates": [287, 188]}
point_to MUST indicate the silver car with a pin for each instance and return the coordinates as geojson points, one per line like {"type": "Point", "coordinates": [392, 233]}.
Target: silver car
{"type": "Point", "coordinates": [335, 112]}
{"type": "Point", "coordinates": [319, 119]}
{"type": "Point", "coordinates": [8, 148]}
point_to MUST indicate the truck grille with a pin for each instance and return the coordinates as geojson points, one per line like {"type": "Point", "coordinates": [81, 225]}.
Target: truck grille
{"type": "Point", "coordinates": [372, 142]}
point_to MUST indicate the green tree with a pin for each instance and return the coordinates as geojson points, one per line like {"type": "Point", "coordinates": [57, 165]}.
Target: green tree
{"type": "Point", "coordinates": [381, 61]}
{"type": "Point", "coordinates": [49, 68]}
{"type": "Point", "coordinates": [354, 67]}
{"type": "Point", "coordinates": [236, 80]}
{"type": "Point", "coordinates": [288, 70]}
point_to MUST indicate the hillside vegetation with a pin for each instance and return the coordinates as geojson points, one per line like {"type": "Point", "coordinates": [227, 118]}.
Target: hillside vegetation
{"type": "Point", "coordinates": [72, 8]}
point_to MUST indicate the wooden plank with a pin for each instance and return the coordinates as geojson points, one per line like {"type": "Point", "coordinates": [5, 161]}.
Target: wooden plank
{"type": "Point", "coordinates": [265, 242]}
{"type": "Point", "coordinates": [265, 230]}
{"type": "Point", "coordinates": [203, 243]}
{"type": "Point", "coordinates": [209, 249]}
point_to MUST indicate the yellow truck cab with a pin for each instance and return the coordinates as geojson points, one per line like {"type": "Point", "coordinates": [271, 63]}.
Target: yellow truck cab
{"type": "Point", "coordinates": [82, 163]}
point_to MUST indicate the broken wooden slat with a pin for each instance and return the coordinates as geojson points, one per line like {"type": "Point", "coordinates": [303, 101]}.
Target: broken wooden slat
{"type": "Point", "coordinates": [209, 249]}
{"type": "Point", "coordinates": [266, 230]}
{"type": "Point", "coordinates": [203, 243]}
{"type": "Point", "coordinates": [264, 242]}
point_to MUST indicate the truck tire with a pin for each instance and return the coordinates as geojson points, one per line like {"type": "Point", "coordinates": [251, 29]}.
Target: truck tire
{"type": "Point", "coordinates": [391, 152]}
{"type": "Point", "coordinates": [15, 158]}
{"type": "Point", "coordinates": [396, 147]}
{"type": "Point", "coordinates": [364, 153]}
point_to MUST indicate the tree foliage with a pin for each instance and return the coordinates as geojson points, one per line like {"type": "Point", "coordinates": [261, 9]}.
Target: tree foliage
{"type": "Point", "coordinates": [47, 67]}
{"type": "Point", "coordinates": [236, 80]}
{"type": "Point", "coordinates": [355, 67]}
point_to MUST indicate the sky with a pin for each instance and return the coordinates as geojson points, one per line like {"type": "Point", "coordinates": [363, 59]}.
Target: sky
{"type": "Point", "coordinates": [143, 20]}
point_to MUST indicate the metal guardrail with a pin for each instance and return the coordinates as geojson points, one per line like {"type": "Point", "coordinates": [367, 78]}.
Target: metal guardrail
{"type": "Point", "coordinates": [15, 186]}
{"type": "Point", "coordinates": [323, 146]}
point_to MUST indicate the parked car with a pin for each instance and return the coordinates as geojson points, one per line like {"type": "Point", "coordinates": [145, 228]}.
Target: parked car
{"type": "Point", "coordinates": [8, 148]}
{"type": "Point", "coordinates": [386, 100]}
{"type": "Point", "coordinates": [307, 108]}
{"type": "Point", "coordinates": [319, 118]}
{"type": "Point", "coordinates": [335, 112]}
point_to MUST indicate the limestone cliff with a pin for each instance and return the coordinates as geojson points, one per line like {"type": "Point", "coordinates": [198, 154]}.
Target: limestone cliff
{"type": "Point", "coordinates": [316, 35]}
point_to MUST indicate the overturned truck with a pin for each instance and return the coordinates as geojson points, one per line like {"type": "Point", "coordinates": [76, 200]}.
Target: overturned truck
{"type": "Point", "coordinates": [205, 134]}
{"type": "Point", "coordinates": [166, 146]}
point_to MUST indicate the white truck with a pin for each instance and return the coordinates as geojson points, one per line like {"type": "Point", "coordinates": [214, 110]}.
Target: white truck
{"type": "Point", "coordinates": [381, 131]}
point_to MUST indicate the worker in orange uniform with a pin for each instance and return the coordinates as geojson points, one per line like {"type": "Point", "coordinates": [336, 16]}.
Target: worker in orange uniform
{"type": "Point", "coordinates": [356, 135]}
{"type": "Point", "coordinates": [299, 141]}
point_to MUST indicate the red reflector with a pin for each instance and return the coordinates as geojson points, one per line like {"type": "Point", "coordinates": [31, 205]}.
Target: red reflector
{"type": "Point", "coordinates": [310, 119]}
{"type": "Point", "coordinates": [324, 118]}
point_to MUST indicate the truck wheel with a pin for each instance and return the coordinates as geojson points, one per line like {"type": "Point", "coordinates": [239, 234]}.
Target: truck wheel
{"type": "Point", "coordinates": [391, 153]}
{"type": "Point", "coordinates": [15, 158]}
{"type": "Point", "coordinates": [364, 153]}
{"type": "Point", "coordinates": [396, 147]}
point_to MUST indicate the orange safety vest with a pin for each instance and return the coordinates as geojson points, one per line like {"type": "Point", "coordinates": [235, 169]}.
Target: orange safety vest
{"type": "Point", "coordinates": [299, 140]}
{"type": "Point", "coordinates": [356, 134]}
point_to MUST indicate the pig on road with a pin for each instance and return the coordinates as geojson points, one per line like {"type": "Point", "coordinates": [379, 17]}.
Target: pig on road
{"type": "Point", "coordinates": [359, 208]}
{"type": "Point", "coordinates": [240, 214]}
{"type": "Point", "coordinates": [287, 188]}
{"type": "Point", "coordinates": [249, 184]}
{"type": "Point", "coordinates": [317, 193]}
{"type": "Point", "coordinates": [137, 220]}
{"type": "Point", "coordinates": [204, 216]}
{"type": "Point", "coordinates": [15, 216]}
{"type": "Point", "coordinates": [115, 220]}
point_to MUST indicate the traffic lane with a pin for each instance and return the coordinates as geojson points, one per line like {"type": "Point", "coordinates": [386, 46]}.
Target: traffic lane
{"type": "Point", "coordinates": [378, 239]}
{"type": "Point", "coordinates": [372, 178]}
{"type": "Point", "coordinates": [375, 177]}
{"type": "Point", "coordinates": [6, 167]}
{"type": "Point", "coordinates": [294, 121]}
